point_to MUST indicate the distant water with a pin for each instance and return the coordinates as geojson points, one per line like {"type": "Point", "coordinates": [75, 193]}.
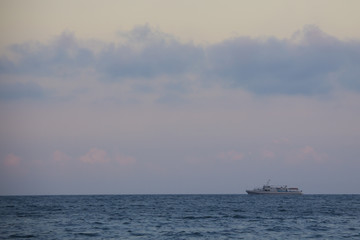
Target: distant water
{"type": "Point", "coordinates": [180, 217]}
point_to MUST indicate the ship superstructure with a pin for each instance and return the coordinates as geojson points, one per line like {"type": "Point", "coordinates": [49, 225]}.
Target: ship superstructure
{"type": "Point", "coordinates": [270, 189]}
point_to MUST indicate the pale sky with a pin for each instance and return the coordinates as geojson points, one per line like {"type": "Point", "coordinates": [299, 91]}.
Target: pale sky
{"type": "Point", "coordinates": [125, 97]}
{"type": "Point", "coordinates": [201, 21]}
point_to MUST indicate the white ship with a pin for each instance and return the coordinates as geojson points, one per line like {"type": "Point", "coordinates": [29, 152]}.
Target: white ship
{"type": "Point", "coordinates": [269, 189]}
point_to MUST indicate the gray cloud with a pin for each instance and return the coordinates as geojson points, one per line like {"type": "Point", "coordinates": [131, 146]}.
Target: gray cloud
{"type": "Point", "coordinates": [148, 53]}
{"type": "Point", "coordinates": [310, 62]}
{"type": "Point", "coordinates": [61, 57]}
{"type": "Point", "coordinates": [17, 90]}
{"type": "Point", "coordinates": [301, 65]}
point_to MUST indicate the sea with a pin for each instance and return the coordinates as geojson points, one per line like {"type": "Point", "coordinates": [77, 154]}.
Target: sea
{"type": "Point", "coordinates": [180, 217]}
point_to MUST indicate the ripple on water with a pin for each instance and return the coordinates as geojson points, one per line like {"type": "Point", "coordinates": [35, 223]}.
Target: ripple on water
{"type": "Point", "coordinates": [21, 236]}
{"type": "Point", "coordinates": [180, 217]}
{"type": "Point", "coordinates": [88, 234]}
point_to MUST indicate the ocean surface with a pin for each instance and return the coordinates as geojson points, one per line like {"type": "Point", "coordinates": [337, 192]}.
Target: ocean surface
{"type": "Point", "coordinates": [180, 217]}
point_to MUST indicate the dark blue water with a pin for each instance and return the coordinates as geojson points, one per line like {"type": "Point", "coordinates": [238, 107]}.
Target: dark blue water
{"type": "Point", "coordinates": [180, 217]}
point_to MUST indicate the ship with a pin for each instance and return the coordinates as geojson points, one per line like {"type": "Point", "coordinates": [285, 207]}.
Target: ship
{"type": "Point", "coordinates": [278, 190]}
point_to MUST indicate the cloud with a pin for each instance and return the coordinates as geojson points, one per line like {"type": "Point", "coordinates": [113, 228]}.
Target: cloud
{"type": "Point", "coordinates": [310, 153]}
{"type": "Point", "coordinates": [61, 157]}
{"type": "Point", "coordinates": [268, 154]}
{"type": "Point", "coordinates": [231, 156]}
{"type": "Point", "coordinates": [63, 56]}
{"type": "Point", "coordinates": [304, 64]}
{"type": "Point", "coordinates": [311, 62]}
{"type": "Point", "coordinates": [280, 141]}
{"type": "Point", "coordinates": [11, 160]}
{"type": "Point", "coordinates": [147, 53]}
{"type": "Point", "coordinates": [306, 154]}
{"type": "Point", "coordinates": [95, 155]}
{"type": "Point", "coordinates": [18, 91]}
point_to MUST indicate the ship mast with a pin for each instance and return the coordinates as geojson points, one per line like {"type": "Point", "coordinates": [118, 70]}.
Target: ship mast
{"type": "Point", "coordinates": [268, 182]}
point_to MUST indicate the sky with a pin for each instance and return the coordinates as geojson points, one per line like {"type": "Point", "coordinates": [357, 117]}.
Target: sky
{"type": "Point", "coordinates": [179, 97]}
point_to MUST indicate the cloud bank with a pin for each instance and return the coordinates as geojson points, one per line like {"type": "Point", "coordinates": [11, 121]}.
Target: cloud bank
{"type": "Point", "coordinates": [310, 62]}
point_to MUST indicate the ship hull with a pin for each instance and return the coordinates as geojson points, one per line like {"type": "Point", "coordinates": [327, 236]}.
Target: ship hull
{"type": "Point", "coordinates": [272, 193]}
